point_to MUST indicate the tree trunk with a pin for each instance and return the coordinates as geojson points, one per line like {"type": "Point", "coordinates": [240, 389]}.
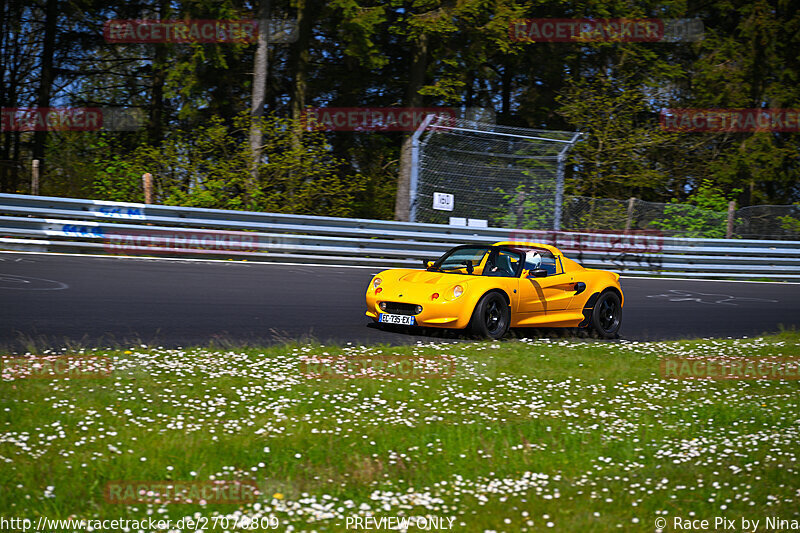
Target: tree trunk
{"type": "Point", "coordinates": [15, 156]}
{"type": "Point", "coordinates": [156, 120]}
{"type": "Point", "coordinates": [260, 65]}
{"type": "Point", "coordinates": [419, 64]}
{"type": "Point", "coordinates": [46, 73]}
{"type": "Point", "coordinates": [505, 92]}
{"type": "Point", "coordinates": [300, 56]}
{"type": "Point", "coordinates": [8, 98]}
{"type": "Point", "coordinates": [155, 131]}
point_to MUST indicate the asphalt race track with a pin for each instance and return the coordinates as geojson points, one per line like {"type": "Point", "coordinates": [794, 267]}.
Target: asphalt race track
{"type": "Point", "coordinates": [61, 300]}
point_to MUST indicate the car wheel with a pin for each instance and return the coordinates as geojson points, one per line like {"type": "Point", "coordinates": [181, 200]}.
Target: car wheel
{"type": "Point", "coordinates": [607, 315]}
{"type": "Point", "coordinates": [491, 317]}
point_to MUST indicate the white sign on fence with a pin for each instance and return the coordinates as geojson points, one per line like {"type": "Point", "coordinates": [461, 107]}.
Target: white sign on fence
{"type": "Point", "coordinates": [443, 201]}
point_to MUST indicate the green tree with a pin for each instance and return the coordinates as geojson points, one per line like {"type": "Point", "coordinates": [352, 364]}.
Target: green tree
{"type": "Point", "coordinates": [705, 214]}
{"type": "Point", "coordinates": [614, 158]}
{"type": "Point", "coordinates": [209, 167]}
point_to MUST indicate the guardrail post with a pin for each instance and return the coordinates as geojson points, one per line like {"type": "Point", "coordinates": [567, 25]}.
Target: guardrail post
{"type": "Point", "coordinates": [35, 177]}
{"type": "Point", "coordinates": [731, 212]}
{"type": "Point", "coordinates": [147, 184]}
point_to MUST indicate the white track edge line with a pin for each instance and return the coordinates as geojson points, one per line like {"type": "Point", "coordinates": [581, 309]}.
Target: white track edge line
{"type": "Point", "coordinates": [190, 259]}
{"type": "Point", "coordinates": [238, 261]}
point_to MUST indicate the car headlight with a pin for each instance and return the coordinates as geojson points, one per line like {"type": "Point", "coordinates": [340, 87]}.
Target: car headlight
{"type": "Point", "coordinates": [458, 290]}
{"type": "Point", "coordinates": [376, 283]}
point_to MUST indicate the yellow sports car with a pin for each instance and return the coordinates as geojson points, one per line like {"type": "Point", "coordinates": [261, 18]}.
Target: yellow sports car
{"type": "Point", "coordinates": [492, 288]}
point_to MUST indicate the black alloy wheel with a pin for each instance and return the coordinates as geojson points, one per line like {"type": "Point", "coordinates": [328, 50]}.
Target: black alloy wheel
{"type": "Point", "coordinates": [607, 315]}
{"type": "Point", "coordinates": [492, 316]}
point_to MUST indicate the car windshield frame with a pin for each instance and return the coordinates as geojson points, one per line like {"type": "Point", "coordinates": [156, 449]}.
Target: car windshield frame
{"type": "Point", "coordinates": [492, 252]}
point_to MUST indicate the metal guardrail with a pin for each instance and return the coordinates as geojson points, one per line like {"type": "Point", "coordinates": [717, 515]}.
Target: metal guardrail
{"type": "Point", "coordinates": [39, 223]}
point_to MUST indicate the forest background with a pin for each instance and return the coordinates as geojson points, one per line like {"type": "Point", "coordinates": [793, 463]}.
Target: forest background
{"type": "Point", "coordinates": [195, 99]}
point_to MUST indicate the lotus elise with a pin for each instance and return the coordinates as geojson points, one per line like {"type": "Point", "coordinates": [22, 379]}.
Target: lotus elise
{"type": "Point", "coordinates": [490, 289]}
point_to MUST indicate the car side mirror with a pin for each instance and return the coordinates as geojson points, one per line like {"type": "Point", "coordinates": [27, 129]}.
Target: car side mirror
{"type": "Point", "coordinates": [539, 273]}
{"type": "Point", "coordinates": [470, 268]}
{"type": "Point", "coordinates": [427, 263]}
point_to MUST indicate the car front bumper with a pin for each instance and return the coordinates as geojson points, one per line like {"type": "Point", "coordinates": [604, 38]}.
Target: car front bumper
{"type": "Point", "coordinates": [444, 314]}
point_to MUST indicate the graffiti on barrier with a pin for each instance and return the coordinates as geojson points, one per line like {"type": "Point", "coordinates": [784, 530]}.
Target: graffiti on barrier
{"type": "Point", "coordinates": [677, 295]}
{"type": "Point", "coordinates": [632, 249]}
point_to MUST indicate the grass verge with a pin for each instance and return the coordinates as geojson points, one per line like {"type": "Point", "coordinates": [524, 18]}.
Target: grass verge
{"type": "Point", "coordinates": [524, 435]}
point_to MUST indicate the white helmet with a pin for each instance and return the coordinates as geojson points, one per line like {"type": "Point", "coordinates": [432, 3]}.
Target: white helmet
{"type": "Point", "coordinates": [533, 260]}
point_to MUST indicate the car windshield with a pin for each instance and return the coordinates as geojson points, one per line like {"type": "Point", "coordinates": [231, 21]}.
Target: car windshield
{"type": "Point", "coordinates": [481, 261]}
{"type": "Point", "coordinates": [457, 258]}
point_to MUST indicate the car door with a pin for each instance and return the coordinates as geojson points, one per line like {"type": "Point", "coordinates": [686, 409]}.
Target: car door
{"type": "Point", "coordinates": [553, 292]}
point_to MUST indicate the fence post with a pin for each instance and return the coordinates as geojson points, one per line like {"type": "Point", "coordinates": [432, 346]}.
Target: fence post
{"type": "Point", "coordinates": [731, 211]}
{"type": "Point", "coordinates": [413, 181]}
{"type": "Point", "coordinates": [147, 183]}
{"type": "Point", "coordinates": [559, 193]}
{"type": "Point", "coordinates": [559, 207]}
{"type": "Point", "coordinates": [628, 220]}
{"type": "Point", "coordinates": [35, 177]}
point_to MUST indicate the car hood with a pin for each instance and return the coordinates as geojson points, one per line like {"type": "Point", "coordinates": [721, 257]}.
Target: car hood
{"type": "Point", "coordinates": [406, 285]}
{"type": "Point", "coordinates": [433, 278]}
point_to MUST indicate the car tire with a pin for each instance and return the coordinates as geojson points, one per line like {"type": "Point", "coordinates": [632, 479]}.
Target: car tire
{"type": "Point", "coordinates": [491, 317]}
{"type": "Point", "coordinates": [607, 315]}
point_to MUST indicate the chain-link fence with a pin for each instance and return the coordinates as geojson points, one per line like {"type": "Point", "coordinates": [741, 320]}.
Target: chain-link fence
{"type": "Point", "coordinates": [476, 172]}
{"type": "Point", "coordinates": [768, 222]}
{"type": "Point", "coordinates": [581, 213]}
{"type": "Point", "coordinates": [499, 174]}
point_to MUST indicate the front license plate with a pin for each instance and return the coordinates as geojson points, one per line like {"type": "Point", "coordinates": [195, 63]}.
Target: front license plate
{"type": "Point", "coordinates": [405, 320]}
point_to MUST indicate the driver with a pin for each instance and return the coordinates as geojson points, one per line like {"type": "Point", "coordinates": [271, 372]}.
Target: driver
{"type": "Point", "coordinates": [533, 260]}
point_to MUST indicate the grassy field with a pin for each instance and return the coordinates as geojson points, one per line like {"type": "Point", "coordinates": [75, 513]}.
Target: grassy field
{"type": "Point", "coordinates": [523, 435]}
